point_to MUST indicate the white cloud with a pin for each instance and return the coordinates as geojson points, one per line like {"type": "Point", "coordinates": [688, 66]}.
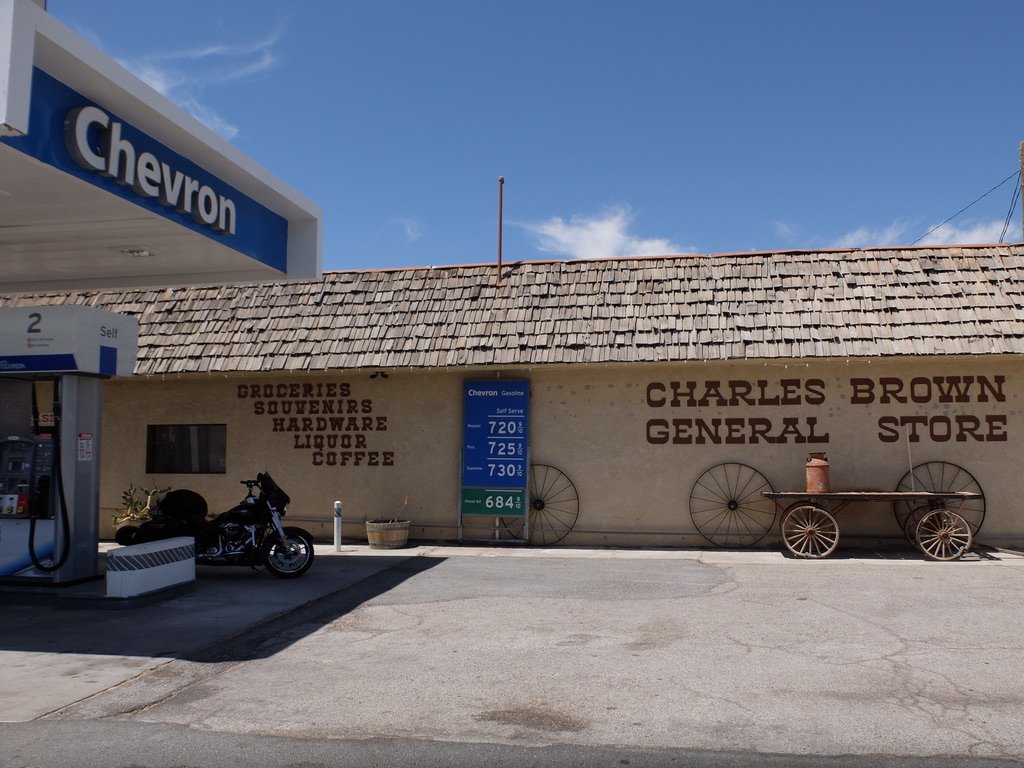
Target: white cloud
{"type": "Point", "coordinates": [183, 75]}
{"type": "Point", "coordinates": [866, 237]}
{"type": "Point", "coordinates": [786, 230]}
{"type": "Point", "coordinates": [411, 229]}
{"type": "Point", "coordinates": [209, 118]}
{"type": "Point", "coordinates": [972, 232]}
{"type": "Point", "coordinates": [901, 233]}
{"type": "Point", "coordinates": [158, 78]}
{"type": "Point", "coordinates": [605, 235]}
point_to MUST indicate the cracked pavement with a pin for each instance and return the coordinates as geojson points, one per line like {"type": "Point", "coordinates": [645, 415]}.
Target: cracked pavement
{"type": "Point", "coordinates": [750, 652]}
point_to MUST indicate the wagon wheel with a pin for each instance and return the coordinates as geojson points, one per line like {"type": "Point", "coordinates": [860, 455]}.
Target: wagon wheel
{"type": "Point", "coordinates": [938, 477]}
{"type": "Point", "coordinates": [554, 507]}
{"type": "Point", "coordinates": [728, 506]}
{"type": "Point", "coordinates": [809, 531]}
{"type": "Point", "coordinates": [943, 535]}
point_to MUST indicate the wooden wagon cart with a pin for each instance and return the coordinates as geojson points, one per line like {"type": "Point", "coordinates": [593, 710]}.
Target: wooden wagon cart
{"type": "Point", "coordinates": [939, 507]}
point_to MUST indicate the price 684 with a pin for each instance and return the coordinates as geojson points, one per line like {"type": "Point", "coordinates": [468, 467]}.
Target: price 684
{"type": "Point", "coordinates": [504, 502]}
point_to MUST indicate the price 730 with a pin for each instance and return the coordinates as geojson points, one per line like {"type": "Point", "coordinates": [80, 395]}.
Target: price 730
{"type": "Point", "coordinates": [504, 470]}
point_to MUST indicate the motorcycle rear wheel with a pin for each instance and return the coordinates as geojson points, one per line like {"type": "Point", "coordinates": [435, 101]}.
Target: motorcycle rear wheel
{"type": "Point", "coordinates": [288, 562]}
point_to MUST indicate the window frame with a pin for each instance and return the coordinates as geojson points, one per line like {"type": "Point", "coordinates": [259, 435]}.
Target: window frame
{"type": "Point", "coordinates": [196, 454]}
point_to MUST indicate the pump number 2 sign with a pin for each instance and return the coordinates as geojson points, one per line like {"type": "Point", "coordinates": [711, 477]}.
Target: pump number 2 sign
{"type": "Point", "coordinates": [494, 447]}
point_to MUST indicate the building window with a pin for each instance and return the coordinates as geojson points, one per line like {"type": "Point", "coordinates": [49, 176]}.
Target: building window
{"type": "Point", "coordinates": [186, 448]}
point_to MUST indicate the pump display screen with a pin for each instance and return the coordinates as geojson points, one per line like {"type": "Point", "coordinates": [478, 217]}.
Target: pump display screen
{"type": "Point", "coordinates": [25, 466]}
{"type": "Point", "coordinates": [16, 454]}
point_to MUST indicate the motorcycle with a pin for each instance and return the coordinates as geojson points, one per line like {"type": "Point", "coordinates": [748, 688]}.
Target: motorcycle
{"type": "Point", "coordinates": [249, 533]}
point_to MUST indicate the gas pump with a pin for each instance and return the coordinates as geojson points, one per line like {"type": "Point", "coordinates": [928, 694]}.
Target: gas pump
{"type": "Point", "coordinates": [52, 364]}
{"type": "Point", "coordinates": [26, 477]}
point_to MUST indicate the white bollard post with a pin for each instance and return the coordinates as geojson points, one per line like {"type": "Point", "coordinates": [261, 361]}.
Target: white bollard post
{"type": "Point", "coordinates": [337, 526]}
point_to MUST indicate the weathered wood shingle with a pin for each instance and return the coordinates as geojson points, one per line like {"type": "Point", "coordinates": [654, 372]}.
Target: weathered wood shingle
{"type": "Point", "coordinates": [857, 303]}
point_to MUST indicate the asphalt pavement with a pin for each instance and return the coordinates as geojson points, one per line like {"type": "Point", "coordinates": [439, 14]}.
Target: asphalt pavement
{"type": "Point", "coordinates": [449, 655]}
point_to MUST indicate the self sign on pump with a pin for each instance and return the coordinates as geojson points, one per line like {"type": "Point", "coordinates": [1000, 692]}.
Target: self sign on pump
{"type": "Point", "coordinates": [67, 338]}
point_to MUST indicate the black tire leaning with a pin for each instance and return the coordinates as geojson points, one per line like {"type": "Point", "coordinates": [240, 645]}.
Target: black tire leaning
{"type": "Point", "coordinates": [125, 535]}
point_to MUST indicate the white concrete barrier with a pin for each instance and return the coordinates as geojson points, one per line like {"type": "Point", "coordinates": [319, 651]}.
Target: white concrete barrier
{"type": "Point", "coordinates": [141, 568]}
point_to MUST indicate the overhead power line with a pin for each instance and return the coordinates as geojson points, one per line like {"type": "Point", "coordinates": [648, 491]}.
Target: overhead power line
{"type": "Point", "coordinates": [1013, 207]}
{"type": "Point", "coordinates": [966, 207]}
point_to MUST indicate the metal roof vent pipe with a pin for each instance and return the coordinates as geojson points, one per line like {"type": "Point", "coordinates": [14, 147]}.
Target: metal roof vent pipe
{"type": "Point", "coordinates": [501, 206]}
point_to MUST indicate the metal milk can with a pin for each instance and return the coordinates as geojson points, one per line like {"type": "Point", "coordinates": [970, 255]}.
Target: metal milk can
{"type": "Point", "coordinates": [817, 473]}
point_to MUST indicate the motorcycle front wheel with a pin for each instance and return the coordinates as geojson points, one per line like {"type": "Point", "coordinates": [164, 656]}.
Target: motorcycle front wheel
{"type": "Point", "coordinates": [291, 560]}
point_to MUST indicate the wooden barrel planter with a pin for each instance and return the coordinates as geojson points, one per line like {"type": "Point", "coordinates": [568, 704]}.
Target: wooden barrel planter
{"type": "Point", "coordinates": [387, 534]}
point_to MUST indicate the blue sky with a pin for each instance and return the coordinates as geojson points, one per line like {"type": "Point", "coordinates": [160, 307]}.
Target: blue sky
{"type": "Point", "coordinates": [621, 128]}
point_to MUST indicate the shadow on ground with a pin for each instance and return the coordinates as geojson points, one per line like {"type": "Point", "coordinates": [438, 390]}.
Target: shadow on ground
{"type": "Point", "coordinates": [234, 614]}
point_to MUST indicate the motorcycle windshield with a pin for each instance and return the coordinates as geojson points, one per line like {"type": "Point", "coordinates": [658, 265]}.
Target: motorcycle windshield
{"type": "Point", "coordinates": [273, 493]}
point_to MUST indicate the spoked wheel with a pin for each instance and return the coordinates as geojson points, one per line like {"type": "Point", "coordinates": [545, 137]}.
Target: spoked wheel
{"type": "Point", "coordinates": [728, 507]}
{"type": "Point", "coordinates": [293, 559]}
{"type": "Point", "coordinates": [809, 531]}
{"type": "Point", "coordinates": [943, 535]}
{"type": "Point", "coordinates": [938, 477]}
{"type": "Point", "coordinates": [554, 507]}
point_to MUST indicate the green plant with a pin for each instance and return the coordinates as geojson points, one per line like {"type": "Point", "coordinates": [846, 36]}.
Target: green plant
{"type": "Point", "coordinates": [135, 509]}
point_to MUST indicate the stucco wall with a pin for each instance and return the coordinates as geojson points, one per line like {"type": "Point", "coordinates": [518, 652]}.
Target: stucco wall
{"type": "Point", "coordinates": [632, 438]}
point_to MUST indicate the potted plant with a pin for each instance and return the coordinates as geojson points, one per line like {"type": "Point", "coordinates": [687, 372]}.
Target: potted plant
{"type": "Point", "coordinates": [135, 509]}
{"type": "Point", "coordinates": [392, 533]}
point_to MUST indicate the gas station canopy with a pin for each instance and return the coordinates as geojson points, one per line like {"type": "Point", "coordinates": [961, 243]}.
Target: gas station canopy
{"type": "Point", "coordinates": [105, 183]}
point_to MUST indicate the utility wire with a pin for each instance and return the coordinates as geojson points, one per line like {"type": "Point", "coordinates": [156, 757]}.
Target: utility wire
{"type": "Point", "coordinates": [937, 226]}
{"type": "Point", "coordinates": [1013, 207]}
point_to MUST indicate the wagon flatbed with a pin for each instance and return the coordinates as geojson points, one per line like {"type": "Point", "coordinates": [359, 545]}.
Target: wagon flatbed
{"type": "Point", "coordinates": [889, 496]}
{"type": "Point", "coordinates": [939, 507]}
{"type": "Point", "coordinates": [934, 523]}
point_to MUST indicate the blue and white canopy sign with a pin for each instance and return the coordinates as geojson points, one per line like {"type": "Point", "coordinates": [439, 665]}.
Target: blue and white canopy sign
{"type": "Point", "coordinates": [494, 448]}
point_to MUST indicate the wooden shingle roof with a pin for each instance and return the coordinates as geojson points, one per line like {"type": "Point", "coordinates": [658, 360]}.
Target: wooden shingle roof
{"type": "Point", "coordinates": [852, 303]}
